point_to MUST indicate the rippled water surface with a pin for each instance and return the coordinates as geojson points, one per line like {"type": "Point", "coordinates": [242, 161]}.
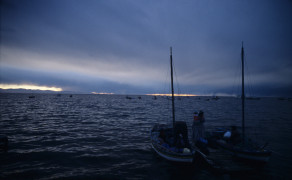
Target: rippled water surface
{"type": "Point", "coordinates": [107, 136]}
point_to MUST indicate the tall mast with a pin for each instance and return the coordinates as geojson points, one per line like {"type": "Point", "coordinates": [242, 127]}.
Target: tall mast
{"type": "Point", "coordinates": [242, 91]}
{"type": "Point", "coordinates": [172, 91]}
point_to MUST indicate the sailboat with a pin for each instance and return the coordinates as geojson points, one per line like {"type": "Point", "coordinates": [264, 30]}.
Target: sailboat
{"type": "Point", "coordinates": [246, 149]}
{"type": "Point", "coordinates": [170, 141]}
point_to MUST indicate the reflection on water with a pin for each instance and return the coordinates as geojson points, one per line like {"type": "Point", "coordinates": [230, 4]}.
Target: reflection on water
{"type": "Point", "coordinates": [107, 136]}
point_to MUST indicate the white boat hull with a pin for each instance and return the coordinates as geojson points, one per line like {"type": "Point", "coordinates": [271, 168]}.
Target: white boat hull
{"type": "Point", "coordinates": [183, 159]}
{"type": "Point", "coordinates": [168, 153]}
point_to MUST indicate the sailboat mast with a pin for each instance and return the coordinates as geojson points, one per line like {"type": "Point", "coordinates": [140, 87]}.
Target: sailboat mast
{"type": "Point", "coordinates": [172, 91]}
{"type": "Point", "coordinates": [242, 91]}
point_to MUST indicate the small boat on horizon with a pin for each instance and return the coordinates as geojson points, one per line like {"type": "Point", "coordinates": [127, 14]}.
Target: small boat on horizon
{"type": "Point", "coordinates": [128, 97]}
{"type": "Point", "coordinates": [215, 98]}
{"type": "Point", "coordinates": [253, 98]}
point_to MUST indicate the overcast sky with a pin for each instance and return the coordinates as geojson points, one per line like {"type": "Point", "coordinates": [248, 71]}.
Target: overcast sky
{"type": "Point", "coordinates": [122, 46]}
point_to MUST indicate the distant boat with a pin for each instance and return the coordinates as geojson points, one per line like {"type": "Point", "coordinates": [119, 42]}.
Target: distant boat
{"type": "Point", "coordinates": [245, 149]}
{"type": "Point", "coordinates": [215, 98]}
{"type": "Point", "coordinates": [252, 98]}
{"type": "Point", "coordinates": [128, 97]}
{"type": "Point", "coordinates": [171, 141]}
{"type": "Point", "coordinates": [31, 97]}
{"type": "Point", "coordinates": [71, 95]}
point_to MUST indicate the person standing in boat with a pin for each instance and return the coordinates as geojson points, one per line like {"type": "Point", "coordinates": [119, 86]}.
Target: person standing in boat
{"type": "Point", "coordinates": [198, 126]}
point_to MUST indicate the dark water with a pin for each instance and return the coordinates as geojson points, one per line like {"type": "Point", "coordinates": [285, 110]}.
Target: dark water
{"type": "Point", "coordinates": [107, 136]}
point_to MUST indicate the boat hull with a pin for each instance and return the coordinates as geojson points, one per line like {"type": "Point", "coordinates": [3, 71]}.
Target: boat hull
{"type": "Point", "coordinates": [252, 155]}
{"type": "Point", "coordinates": [167, 153]}
{"type": "Point", "coordinates": [173, 157]}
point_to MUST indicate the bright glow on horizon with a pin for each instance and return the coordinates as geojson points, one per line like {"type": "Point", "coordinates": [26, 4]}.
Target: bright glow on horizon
{"type": "Point", "coordinates": [171, 95]}
{"type": "Point", "coordinates": [101, 93]}
{"type": "Point", "coordinates": [29, 87]}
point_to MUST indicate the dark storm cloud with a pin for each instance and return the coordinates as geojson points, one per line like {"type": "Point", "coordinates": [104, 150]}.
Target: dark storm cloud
{"type": "Point", "coordinates": [127, 42]}
{"type": "Point", "coordinates": [92, 28]}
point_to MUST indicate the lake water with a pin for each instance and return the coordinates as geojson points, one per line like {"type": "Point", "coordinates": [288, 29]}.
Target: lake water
{"type": "Point", "coordinates": [107, 136]}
